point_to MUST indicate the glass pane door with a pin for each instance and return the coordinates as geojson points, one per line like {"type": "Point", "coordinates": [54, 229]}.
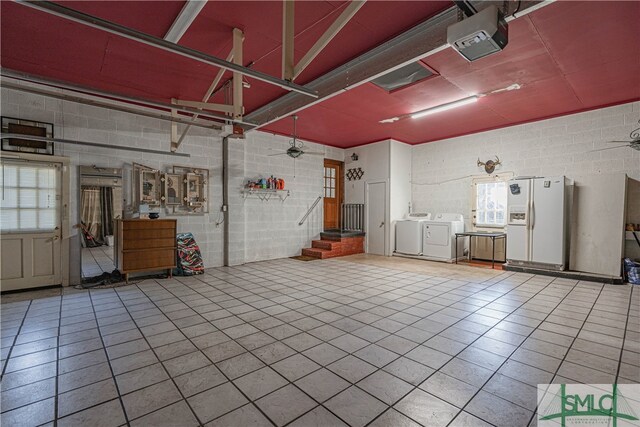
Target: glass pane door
{"type": "Point", "coordinates": [30, 196]}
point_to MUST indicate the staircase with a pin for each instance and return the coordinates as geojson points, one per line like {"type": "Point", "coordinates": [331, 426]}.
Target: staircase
{"type": "Point", "coordinates": [334, 244]}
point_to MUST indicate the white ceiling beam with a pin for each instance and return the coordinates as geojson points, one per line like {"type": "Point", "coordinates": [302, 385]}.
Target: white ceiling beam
{"type": "Point", "coordinates": [288, 34]}
{"type": "Point", "coordinates": [332, 31]}
{"type": "Point", "coordinates": [183, 21]}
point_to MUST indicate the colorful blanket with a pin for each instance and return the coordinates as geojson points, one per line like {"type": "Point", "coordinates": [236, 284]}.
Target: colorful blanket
{"type": "Point", "coordinates": [189, 257]}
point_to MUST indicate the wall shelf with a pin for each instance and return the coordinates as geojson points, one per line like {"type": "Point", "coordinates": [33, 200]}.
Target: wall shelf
{"type": "Point", "coordinates": [265, 194]}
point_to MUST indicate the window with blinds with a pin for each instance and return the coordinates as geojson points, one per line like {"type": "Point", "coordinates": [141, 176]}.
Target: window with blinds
{"type": "Point", "coordinates": [30, 196]}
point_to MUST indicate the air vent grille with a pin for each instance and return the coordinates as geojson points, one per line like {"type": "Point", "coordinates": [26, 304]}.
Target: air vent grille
{"type": "Point", "coordinates": [402, 77]}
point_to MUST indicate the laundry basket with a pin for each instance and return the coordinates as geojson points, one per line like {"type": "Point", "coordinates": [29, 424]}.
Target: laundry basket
{"type": "Point", "coordinates": [632, 271]}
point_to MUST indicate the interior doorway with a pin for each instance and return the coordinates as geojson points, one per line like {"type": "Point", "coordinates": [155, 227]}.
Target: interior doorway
{"type": "Point", "coordinates": [31, 224]}
{"type": "Point", "coordinates": [333, 193]}
{"type": "Point", "coordinates": [101, 200]}
{"type": "Point", "coordinates": [376, 219]}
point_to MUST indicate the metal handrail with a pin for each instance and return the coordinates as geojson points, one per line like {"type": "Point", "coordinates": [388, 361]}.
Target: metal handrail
{"type": "Point", "coordinates": [304, 218]}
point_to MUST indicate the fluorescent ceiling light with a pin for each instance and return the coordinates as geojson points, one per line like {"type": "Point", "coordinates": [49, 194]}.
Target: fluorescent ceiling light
{"type": "Point", "coordinates": [444, 107]}
{"type": "Point", "coordinates": [187, 15]}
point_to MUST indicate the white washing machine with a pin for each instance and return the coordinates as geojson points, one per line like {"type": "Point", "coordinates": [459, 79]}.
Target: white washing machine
{"type": "Point", "coordinates": [409, 234]}
{"type": "Point", "coordinates": [438, 241]}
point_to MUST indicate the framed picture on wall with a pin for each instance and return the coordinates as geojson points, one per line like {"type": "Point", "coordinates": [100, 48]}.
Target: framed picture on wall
{"type": "Point", "coordinates": [146, 186]}
{"type": "Point", "coordinates": [195, 190]}
{"type": "Point", "coordinates": [173, 189]}
{"type": "Point", "coordinates": [150, 188]}
{"type": "Point", "coordinates": [27, 127]}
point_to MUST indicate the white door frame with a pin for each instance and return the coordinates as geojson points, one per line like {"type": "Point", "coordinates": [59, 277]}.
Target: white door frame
{"type": "Point", "coordinates": [386, 213]}
{"type": "Point", "coordinates": [65, 225]}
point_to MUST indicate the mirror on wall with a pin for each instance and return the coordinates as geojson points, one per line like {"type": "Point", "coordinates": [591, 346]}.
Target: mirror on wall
{"type": "Point", "coordinates": [101, 201]}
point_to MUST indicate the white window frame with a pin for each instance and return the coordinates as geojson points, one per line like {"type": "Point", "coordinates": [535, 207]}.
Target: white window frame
{"type": "Point", "coordinates": [486, 179]}
{"type": "Point", "coordinates": [53, 193]}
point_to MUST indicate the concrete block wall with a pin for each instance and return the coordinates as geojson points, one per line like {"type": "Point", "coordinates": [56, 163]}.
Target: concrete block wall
{"type": "Point", "coordinates": [271, 227]}
{"type": "Point", "coordinates": [258, 230]}
{"type": "Point", "coordinates": [88, 123]}
{"type": "Point", "coordinates": [442, 170]}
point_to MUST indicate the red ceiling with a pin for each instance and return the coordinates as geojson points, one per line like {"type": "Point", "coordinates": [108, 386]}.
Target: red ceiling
{"type": "Point", "coordinates": [568, 57]}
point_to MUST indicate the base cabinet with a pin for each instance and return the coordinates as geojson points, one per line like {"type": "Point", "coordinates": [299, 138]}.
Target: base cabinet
{"type": "Point", "coordinates": [145, 245]}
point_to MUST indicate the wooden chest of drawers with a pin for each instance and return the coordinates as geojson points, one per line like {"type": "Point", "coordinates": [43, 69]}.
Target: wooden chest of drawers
{"type": "Point", "coordinates": [145, 245]}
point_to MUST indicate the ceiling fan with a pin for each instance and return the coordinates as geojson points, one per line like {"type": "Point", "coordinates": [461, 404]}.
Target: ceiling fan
{"type": "Point", "coordinates": [634, 143]}
{"type": "Point", "coordinates": [296, 150]}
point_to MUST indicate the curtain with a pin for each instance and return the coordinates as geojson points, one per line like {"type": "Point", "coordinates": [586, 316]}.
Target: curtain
{"type": "Point", "coordinates": [90, 214]}
{"type": "Point", "coordinates": [106, 212]}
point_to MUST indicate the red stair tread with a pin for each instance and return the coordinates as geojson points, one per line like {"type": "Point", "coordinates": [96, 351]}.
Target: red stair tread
{"type": "Point", "coordinates": [319, 253]}
{"type": "Point", "coordinates": [329, 248]}
{"type": "Point", "coordinates": [325, 244]}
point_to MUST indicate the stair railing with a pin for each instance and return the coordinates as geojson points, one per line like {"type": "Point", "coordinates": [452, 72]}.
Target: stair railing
{"type": "Point", "coordinates": [304, 218]}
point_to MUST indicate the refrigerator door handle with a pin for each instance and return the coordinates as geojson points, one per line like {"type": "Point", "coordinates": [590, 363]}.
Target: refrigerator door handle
{"type": "Point", "coordinates": [533, 214]}
{"type": "Point", "coordinates": [529, 225]}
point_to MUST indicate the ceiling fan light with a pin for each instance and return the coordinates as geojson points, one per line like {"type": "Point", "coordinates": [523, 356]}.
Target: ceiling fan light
{"type": "Point", "coordinates": [294, 152]}
{"type": "Point", "coordinates": [444, 107]}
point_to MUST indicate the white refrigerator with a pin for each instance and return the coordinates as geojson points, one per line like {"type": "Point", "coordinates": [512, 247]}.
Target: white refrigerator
{"type": "Point", "coordinates": [537, 222]}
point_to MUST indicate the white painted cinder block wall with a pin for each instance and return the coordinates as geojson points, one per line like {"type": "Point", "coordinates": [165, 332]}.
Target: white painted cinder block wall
{"type": "Point", "coordinates": [442, 170]}
{"type": "Point", "coordinates": [258, 230]}
{"type": "Point", "coordinates": [388, 161]}
{"type": "Point", "coordinates": [272, 227]}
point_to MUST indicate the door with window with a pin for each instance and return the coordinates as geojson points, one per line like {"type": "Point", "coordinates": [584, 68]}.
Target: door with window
{"type": "Point", "coordinates": [333, 193]}
{"type": "Point", "coordinates": [30, 220]}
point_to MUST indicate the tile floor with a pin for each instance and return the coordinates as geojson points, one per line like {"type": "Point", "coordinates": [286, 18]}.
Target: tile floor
{"type": "Point", "coordinates": [288, 343]}
{"type": "Point", "coordinates": [96, 261]}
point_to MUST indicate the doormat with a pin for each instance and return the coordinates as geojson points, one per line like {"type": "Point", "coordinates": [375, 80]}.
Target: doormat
{"type": "Point", "coordinates": [303, 258]}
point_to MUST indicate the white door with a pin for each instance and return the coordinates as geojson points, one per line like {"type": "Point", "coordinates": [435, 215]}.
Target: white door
{"type": "Point", "coordinates": [547, 221]}
{"type": "Point", "coordinates": [376, 226]}
{"type": "Point", "coordinates": [30, 222]}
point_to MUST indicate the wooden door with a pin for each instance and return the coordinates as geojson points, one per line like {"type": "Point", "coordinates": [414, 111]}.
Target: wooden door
{"type": "Point", "coordinates": [333, 193]}
{"type": "Point", "coordinates": [30, 225]}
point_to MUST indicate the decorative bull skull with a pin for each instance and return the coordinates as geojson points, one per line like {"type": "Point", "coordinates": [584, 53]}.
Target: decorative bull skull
{"type": "Point", "coordinates": [489, 165]}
